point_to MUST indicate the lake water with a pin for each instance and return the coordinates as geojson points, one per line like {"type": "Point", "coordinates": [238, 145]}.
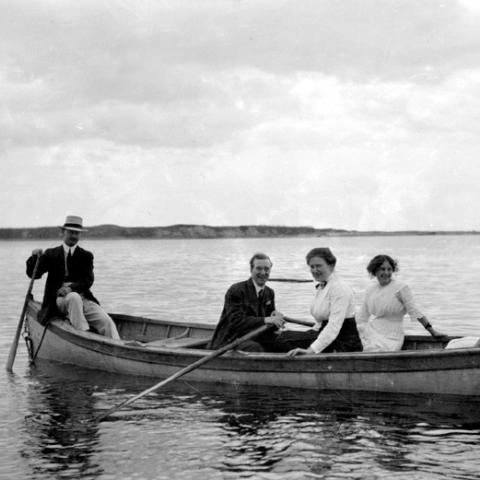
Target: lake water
{"type": "Point", "coordinates": [226, 432]}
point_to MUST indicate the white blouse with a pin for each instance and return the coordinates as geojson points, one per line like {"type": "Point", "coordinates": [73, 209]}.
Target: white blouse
{"type": "Point", "coordinates": [380, 320]}
{"type": "Point", "coordinates": [335, 303]}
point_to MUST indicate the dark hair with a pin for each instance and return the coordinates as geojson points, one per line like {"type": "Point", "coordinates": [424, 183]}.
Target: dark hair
{"type": "Point", "coordinates": [259, 256]}
{"type": "Point", "coordinates": [322, 252]}
{"type": "Point", "coordinates": [377, 261]}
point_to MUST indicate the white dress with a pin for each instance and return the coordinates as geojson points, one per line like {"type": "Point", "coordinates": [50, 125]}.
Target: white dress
{"type": "Point", "coordinates": [380, 321]}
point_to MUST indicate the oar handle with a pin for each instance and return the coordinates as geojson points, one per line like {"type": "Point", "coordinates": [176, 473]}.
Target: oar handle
{"type": "Point", "coordinates": [291, 280]}
{"type": "Point", "coordinates": [188, 369]}
{"type": "Point", "coordinates": [298, 321]}
{"type": "Point", "coordinates": [13, 348]}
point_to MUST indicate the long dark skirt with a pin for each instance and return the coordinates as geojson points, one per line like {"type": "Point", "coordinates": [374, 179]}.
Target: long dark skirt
{"type": "Point", "coordinates": [347, 340]}
{"type": "Point", "coordinates": [266, 342]}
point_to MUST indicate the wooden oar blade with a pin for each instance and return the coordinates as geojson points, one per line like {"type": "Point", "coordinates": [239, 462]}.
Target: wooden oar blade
{"type": "Point", "coordinates": [13, 349]}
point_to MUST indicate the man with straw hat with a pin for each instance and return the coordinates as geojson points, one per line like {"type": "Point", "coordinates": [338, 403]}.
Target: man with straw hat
{"type": "Point", "coordinates": [70, 277]}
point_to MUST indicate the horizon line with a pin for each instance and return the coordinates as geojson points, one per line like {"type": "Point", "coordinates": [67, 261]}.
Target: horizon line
{"type": "Point", "coordinates": [87, 227]}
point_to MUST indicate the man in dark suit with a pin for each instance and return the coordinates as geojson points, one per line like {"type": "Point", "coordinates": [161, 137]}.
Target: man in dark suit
{"type": "Point", "coordinates": [249, 305]}
{"type": "Point", "coordinates": [70, 276]}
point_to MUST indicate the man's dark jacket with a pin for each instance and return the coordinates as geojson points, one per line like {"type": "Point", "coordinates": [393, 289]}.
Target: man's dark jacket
{"type": "Point", "coordinates": [53, 261]}
{"type": "Point", "coordinates": [242, 312]}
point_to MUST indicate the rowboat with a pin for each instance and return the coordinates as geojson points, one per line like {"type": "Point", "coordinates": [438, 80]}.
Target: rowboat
{"type": "Point", "coordinates": [160, 348]}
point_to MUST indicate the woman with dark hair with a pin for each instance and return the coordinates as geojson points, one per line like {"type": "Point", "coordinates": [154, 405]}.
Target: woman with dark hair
{"type": "Point", "coordinates": [333, 309]}
{"type": "Point", "coordinates": [380, 321]}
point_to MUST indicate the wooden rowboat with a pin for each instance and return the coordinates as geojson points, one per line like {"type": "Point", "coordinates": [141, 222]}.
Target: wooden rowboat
{"type": "Point", "coordinates": [424, 366]}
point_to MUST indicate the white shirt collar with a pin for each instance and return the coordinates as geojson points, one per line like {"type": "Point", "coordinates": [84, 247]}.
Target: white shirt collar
{"type": "Point", "coordinates": [257, 288]}
{"type": "Point", "coordinates": [323, 286]}
{"type": "Point", "coordinates": [66, 248]}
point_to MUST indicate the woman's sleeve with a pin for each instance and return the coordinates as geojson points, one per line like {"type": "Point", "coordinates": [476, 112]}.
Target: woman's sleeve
{"type": "Point", "coordinates": [362, 319]}
{"type": "Point", "coordinates": [339, 302]}
{"type": "Point", "coordinates": [406, 297]}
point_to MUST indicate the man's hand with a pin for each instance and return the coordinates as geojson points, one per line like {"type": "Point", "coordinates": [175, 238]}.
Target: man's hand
{"type": "Point", "coordinates": [36, 252]}
{"type": "Point", "coordinates": [275, 319]}
{"type": "Point", "coordinates": [63, 290]}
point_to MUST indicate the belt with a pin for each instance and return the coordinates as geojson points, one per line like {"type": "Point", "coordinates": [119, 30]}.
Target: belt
{"type": "Point", "coordinates": [324, 323]}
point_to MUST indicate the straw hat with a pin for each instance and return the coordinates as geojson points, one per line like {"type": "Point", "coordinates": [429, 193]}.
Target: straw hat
{"type": "Point", "coordinates": [74, 223]}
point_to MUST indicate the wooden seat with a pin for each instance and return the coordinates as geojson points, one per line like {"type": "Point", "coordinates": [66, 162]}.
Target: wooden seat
{"type": "Point", "coordinates": [185, 342]}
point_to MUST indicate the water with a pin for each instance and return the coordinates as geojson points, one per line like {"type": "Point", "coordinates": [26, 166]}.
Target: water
{"type": "Point", "coordinates": [193, 430]}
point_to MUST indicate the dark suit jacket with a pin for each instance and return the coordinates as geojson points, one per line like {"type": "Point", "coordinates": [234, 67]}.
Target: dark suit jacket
{"type": "Point", "coordinates": [241, 313]}
{"type": "Point", "coordinates": [53, 261]}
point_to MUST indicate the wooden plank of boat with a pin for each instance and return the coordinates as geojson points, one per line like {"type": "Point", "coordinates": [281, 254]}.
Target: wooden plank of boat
{"type": "Point", "coordinates": [424, 368]}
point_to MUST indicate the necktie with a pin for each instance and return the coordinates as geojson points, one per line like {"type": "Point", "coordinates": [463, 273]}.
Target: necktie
{"type": "Point", "coordinates": [69, 262]}
{"type": "Point", "coordinates": [261, 311]}
{"type": "Point", "coordinates": [320, 285]}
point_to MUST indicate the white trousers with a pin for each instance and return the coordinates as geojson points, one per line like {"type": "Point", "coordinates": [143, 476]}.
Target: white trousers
{"type": "Point", "coordinates": [83, 312]}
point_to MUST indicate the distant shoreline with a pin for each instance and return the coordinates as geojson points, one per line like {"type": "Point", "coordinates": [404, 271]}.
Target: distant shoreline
{"type": "Point", "coordinates": [204, 231]}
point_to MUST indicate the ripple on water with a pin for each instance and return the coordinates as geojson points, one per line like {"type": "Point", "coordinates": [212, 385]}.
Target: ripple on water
{"type": "Point", "coordinates": [217, 432]}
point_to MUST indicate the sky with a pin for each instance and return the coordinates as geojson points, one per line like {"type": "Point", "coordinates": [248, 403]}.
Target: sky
{"type": "Point", "coordinates": [354, 114]}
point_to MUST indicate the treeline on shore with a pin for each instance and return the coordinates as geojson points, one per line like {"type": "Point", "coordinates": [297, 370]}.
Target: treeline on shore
{"type": "Point", "coordinates": [205, 231]}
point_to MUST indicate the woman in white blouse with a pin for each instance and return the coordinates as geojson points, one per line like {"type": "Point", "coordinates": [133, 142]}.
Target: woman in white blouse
{"type": "Point", "coordinates": [380, 321]}
{"type": "Point", "coordinates": [333, 309]}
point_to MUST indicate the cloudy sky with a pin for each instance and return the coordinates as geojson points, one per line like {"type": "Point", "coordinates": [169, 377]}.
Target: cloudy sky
{"type": "Point", "coordinates": [325, 113]}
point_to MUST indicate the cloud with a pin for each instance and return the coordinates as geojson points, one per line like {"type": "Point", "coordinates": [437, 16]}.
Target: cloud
{"type": "Point", "coordinates": [136, 41]}
{"type": "Point", "coordinates": [184, 75]}
{"type": "Point", "coordinates": [472, 6]}
{"type": "Point", "coordinates": [236, 112]}
{"type": "Point", "coordinates": [343, 187]}
{"type": "Point", "coordinates": [297, 111]}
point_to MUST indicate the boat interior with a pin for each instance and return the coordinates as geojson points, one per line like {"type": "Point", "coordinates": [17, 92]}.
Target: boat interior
{"type": "Point", "coordinates": [161, 333]}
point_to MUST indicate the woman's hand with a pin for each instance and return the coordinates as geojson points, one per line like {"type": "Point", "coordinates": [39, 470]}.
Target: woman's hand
{"type": "Point", "coordinates": [435, 333]}
{"type": "Point", "coordinates": [300, 351]}
{"type": "Point", "coordinates": [429, 328]}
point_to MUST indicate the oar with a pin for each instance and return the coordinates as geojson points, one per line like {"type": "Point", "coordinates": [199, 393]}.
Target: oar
{"type": "Point", "coordinates": [13, 348]}
{"type": "Point", "coordinates": [291, 280]}
{"type": "Point", "coordinates": [188, 369]}
{"type": "Point", "coordinates": [298, 321]}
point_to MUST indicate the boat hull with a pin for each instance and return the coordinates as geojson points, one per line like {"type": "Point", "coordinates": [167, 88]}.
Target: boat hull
{"type": "Point", "coordinates": [428, 370]}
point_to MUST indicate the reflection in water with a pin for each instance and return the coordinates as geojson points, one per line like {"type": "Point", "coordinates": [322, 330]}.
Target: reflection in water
{"type": "Point", "coordinates": [192, 430]}
{"type": "Point", "coordinates": [287, 431]}
{"type": "Point", "coordinates": [62, 436]}
{"type": "Point", "coordinates": [284, 431]}
{"type": "Point", "coordinates": [249, 449]}
{"type": "Point", "coordinates": [249, 432]}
